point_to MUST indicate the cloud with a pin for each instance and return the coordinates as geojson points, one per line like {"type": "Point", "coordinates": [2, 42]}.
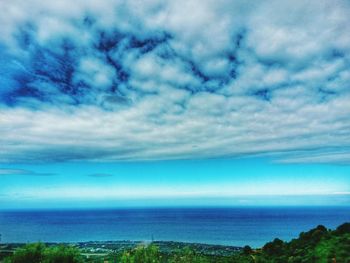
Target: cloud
{"type": "Point", "coordinates": [116, 80]}
{"type": "Point", "coordinates": [10, 172]}
{"type": "Point", "coordinates": [320, 157]}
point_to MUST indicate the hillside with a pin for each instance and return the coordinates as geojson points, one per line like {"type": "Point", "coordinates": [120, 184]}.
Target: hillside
{"type": "Point", "coordinates": [317, 245]}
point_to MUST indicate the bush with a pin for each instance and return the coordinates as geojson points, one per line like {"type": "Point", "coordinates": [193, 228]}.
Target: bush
{"type": "Point", "coordinates": [32, 253]}
{"type": "Point", "coordinates": [149, 254]}
{"type": "Point", "coordinates": [39, 253]}
{"type": "Point", "coordinates": [62, 254]}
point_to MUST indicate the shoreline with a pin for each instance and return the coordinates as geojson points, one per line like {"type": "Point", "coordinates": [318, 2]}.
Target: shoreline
{"type": "Point", "coordinates": [100, 248]}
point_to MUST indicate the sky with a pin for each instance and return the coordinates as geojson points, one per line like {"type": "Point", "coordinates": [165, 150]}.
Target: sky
{"type": "Point", "coordinates": [110, 103]}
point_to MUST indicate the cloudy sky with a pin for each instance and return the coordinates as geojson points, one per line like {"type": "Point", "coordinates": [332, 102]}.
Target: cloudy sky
{"type": "Point", "coordinates": [210, 102]}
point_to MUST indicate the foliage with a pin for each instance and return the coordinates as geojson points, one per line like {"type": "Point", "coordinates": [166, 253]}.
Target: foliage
{"type": "Point", "coordinates": [62, 254]}
{"type": "Point", "coordinates": [149, 254]}
{"type": "Point", "coordinates": [40, 253]}
{"type": "Point", "coordinates": [317, 245]}
{"type": "Point", "coordinates": [188, 255]}
{"type": "Point", "coordinates": [247, 250]}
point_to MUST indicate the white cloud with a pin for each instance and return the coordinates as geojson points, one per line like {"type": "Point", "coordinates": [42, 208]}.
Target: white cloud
{"type": "Point", "coordinates": [174, 79]}
{"type": "Point", "coordinates": [95, 72]}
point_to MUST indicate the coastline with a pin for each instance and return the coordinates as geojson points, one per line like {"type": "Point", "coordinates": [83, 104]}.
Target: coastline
{"type": "Point", "coordinates": [117, 246]}
{"type": "Point", "coordinates": [104, 248]}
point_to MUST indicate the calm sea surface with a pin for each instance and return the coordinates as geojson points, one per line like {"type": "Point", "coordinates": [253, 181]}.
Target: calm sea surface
{"type": "Point", "coordinates": [230, 226]}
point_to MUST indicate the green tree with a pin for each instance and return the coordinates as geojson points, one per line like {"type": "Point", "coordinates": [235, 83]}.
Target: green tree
{"type": "Point", "coordinates": [62, 254]}
{"type": "Point", "coordinates": [274, 248]}
{"type": "Point", "coordinates": [343, 229]}
{"type": "Point", "coordinates": [31, 253]}
{"type": "Point", "coordinates": [247, 250]}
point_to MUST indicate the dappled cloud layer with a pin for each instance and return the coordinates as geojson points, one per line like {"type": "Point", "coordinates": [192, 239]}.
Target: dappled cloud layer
{"type": "Point", "coordinates": [148, 80]}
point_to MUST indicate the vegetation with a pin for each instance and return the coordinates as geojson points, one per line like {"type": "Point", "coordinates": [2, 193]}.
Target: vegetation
{"type": "Point", "coordinates": [40, 253]}
{"type": "Point", "coordinates": [318, 245]}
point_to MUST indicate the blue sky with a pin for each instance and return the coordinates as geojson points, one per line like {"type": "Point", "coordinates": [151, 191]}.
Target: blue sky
{"type": "Point", "coordinates": [117, 103]}
{"type": "Point", "coordinates": [215, 182]}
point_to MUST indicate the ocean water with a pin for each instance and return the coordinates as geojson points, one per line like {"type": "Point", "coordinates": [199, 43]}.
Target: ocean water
{"type": "Point", "coordinates": [227, 226]}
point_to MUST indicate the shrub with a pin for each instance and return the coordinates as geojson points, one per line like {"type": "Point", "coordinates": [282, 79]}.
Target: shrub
{"type": "Point", "coordinates": [39, 253]}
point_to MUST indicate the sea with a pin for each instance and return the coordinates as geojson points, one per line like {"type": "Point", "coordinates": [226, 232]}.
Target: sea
{"type": "Point", "coordinates": [236, 226]}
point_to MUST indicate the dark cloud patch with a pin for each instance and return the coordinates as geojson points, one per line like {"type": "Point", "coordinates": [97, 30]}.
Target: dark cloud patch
{"type": "Point", "coordinates": [47, 75]}
{"type": "Point", "coordinates": [108, 41]}
{"type": "Point", "coordinates": [263, 94]}
{"type": "Point", "coordinates": [52, 73]}
{"type": "Point", "coordinates": [148, 44]}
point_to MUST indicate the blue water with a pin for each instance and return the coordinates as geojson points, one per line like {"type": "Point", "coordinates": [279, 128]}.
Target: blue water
{"type": "Point", "coordinates": [230, 226]}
